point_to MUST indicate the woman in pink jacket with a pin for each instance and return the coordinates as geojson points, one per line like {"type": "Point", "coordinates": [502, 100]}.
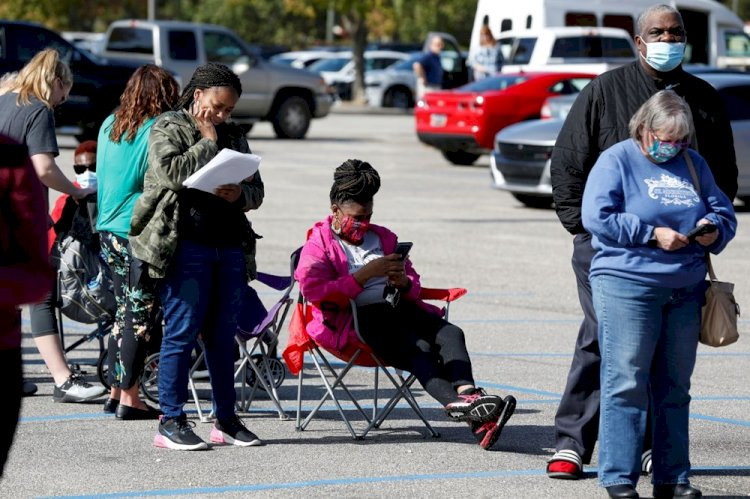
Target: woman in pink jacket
{"type": "Point", "coordinates": [346, 259]}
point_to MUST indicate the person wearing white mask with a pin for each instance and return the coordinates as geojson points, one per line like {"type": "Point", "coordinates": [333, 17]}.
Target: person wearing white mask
{"type": "Point", "coordinates": [599, 119]}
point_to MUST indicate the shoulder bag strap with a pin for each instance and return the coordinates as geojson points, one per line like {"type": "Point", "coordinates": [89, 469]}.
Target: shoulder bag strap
{"type": "Point", "coordinates": [697, 184]}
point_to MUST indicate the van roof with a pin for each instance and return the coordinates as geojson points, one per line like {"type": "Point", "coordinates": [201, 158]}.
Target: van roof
{"type": "Point", "coordinates": [567, 31]}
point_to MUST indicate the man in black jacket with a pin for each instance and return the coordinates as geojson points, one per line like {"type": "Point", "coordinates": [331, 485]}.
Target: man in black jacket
{"type": "Point", "coordinates": [599, 119]}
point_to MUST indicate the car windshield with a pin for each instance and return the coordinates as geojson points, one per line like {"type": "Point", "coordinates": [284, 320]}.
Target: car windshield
{"type": "Point", "coordinates": [494, 83]}
{"type": "Point", "coordinates": [331, 64]}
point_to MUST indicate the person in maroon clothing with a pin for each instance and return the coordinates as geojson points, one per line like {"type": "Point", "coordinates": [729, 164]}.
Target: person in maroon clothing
{"type": "Point", "coordinates": [25, 273]}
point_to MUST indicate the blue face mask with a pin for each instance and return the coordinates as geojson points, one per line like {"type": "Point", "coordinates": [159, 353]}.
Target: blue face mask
{"type": "Point", "coordinates": [663, 56]}
{"type": "Point", "coordinates": [661, 151]}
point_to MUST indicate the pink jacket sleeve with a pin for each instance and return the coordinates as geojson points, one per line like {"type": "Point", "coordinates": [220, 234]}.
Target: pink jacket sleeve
{"type": "Point", "coordinates": [319, 280]}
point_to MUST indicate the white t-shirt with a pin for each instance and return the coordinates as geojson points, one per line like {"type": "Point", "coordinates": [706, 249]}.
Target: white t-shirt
{"type": "Point", "coordinates": [359, 256]}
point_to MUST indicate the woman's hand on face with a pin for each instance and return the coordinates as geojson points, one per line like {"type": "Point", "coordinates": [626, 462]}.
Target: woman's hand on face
{"type": "Point", "coordinates": [380, 267]}
{"type": "Point", "coordinates": [205, 125]}
{"type": "Point", "coordinates": [229, 192]}
{"type": "Point", "coordinates": [670, 240]}
{"type": "Point", "coordinates": [707, 239]}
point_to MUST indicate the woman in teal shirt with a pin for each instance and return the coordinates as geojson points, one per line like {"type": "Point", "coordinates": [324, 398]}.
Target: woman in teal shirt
{"type": "Point", "coordinates": [120, 166]}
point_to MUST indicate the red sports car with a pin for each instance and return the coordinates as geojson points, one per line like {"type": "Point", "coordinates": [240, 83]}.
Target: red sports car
{"type": "Point", "coordinates": [462, 123]}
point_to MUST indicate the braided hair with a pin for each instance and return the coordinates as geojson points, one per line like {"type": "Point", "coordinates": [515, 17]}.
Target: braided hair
{"type": "Point", "coordinates": [209, 75]}
{"type": "Point", "coordinates": [356, 181]}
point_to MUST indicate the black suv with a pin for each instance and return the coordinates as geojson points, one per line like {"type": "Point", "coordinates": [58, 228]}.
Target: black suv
{"type": "Point", "coordinates": [97, 86]}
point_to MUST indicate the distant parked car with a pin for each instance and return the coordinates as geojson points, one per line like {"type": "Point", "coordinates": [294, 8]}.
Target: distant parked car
{"type": "Point", "coordinates": [462, 123]}
{"type": "Point", "coordinates": [520, 162]}
{"type": "Point", "coordinates": [338, 70]}
{"type": "Point", "coordinates": [97, 82]}
{"type": "Point", "coordinates": [395, 86]}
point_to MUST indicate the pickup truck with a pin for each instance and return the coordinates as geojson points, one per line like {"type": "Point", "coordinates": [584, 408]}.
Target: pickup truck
{"type": "Point", "coordinates": [587, 50]}
{"type": "Point", "coordinates": [287, 97]}
{"type": "Point", "coordinates": [97, 82]}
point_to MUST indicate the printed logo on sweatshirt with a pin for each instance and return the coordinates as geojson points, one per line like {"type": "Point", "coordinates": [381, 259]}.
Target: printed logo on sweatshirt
{"type": "Point", "coordinates": [670, 190]}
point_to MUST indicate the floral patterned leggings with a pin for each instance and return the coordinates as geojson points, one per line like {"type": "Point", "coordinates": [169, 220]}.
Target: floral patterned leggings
{"type": "Point", "coordinates": [138, 325]}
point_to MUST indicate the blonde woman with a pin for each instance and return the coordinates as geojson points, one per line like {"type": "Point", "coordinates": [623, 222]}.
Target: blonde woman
{"type": "Point", "coordinates": [27, 100]}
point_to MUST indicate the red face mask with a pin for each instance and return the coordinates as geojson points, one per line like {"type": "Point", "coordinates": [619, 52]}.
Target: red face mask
{"type": "Point", "coordinates": [353, 230]}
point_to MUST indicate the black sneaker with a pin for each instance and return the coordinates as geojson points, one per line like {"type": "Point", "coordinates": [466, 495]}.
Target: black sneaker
{"type": "Point", "coordinates": [233, 432]}
{"type": "Point", "coordinates": [76, 389]}
{"type": "Point", "coordinates": [177, 434]}
{"type": "Point", "coordinates": [29, 388]}
{"type": "Point", "coordinates": [487, 433]}
{"type": "Point", "coordinates": [475, 406]}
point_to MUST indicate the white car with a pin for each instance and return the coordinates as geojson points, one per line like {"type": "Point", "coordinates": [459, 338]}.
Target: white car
{"type": "Point", "coordinates": [394, 86]}
{"type": "Point", "coordinates": [301, 59]}
{"type": "Point", "coordinates": [338, 71]}
{"type": "Point", "coordinates": [520, 162]}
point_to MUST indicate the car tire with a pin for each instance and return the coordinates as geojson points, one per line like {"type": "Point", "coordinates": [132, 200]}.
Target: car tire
{"type": "Point", "coordinates": [533, 201]}
{"type": "Point", "coordinates": [398, 97]}
{"type": "Point", "coordinates": [744, 199]}
{"type": "Point", "coordinates": [462, 158]}
{"type": "Point", "coordinates": [292, 118]}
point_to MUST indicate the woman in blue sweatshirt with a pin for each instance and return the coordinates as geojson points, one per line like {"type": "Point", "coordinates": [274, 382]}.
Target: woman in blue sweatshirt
{"type": "Point", "coordinates": [647, 279]}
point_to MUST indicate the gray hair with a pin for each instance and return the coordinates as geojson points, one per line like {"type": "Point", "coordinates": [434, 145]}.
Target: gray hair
{"type": "Point", "coordinates": [664, 111]}
{"type": "Point", "coordinates": [656, 9]}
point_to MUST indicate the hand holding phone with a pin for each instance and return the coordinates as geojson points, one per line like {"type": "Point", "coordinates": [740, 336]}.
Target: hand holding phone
{"type": "Point", "coordinates": [402, 249]}
{"type": "Point", "coordinates": [701, 230]}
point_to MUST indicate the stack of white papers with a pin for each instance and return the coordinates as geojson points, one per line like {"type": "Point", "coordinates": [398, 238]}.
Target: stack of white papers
{"type": "Point", "coordinates": [227, 167]}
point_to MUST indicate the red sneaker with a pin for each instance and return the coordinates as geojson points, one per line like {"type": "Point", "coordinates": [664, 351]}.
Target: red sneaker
{"type": "Point", "coordinates": [565, 465]}
{"type": "Point", "coordinates": [477, 407]}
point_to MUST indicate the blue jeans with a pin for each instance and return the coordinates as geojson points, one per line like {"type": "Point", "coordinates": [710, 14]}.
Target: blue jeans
{"type": "Point", "coordinates": [648, 337]}
{"type": "Point", "coordinates": [201, 293]}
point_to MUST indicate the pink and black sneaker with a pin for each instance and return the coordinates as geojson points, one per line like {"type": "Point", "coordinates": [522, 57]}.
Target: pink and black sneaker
{"type": "Point", "coordinates": [475, 406]}
{"type": "Point", "coordinates": [488, 432]}
{"type": "Point", "coordinates": [233, 432]}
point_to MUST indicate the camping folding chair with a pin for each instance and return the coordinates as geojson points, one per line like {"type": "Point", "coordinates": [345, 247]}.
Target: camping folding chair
{"type": "Point", "coordinates": [362, 355]}
{"type": "Point", "coordinates": [257, 338]}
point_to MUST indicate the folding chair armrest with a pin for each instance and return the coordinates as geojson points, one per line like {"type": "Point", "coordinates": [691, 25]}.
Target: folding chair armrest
{"type": "Point", "coordinates": [447, 295]}
{"type": "Point", "coordinates": [279, 283]}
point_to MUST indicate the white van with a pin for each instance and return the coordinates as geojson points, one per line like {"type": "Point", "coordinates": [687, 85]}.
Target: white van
{"type": "Point", "coordinates": [568, 48]}
{"type": "Point", "coordinates": [715, 34]}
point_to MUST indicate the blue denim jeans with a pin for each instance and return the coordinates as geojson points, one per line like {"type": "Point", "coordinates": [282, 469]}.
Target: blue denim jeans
{"type": "Point", "coordinates": [201, 293]}
{"type": "Point", "coordinates": [648, 337]}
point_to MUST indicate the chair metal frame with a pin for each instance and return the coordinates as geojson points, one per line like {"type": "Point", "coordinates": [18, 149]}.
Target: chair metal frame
{"type": "Point", "coordinates": [402, 384]}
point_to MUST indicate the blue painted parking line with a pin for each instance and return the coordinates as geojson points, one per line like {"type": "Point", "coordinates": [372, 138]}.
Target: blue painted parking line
{"type": "Point", "coordinates": [333, 482]}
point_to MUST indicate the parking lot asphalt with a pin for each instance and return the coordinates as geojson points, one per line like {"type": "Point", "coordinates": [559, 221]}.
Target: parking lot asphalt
{"type": "Point", "coordinates": [520, 317]}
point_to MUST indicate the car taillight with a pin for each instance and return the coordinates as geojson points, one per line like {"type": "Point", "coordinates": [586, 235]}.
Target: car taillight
{"type": "Point", "coordinates": [422, 104]}
{"type": "Point", "coordinates": [545, 112]}
{"type": "Point", "coordinates": [477, 103]}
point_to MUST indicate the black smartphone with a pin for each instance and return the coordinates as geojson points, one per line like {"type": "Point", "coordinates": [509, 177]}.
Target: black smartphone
{"type": "Point", "coordinates": [700, 231]}
{"type": "Point", "coordinates": [403, 249]}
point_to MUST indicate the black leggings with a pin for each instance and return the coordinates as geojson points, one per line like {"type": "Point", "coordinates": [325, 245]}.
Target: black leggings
{"type": "Point", "coordinates": [414, 340]}
{"type": "Point", "coordinates": [10, 373]}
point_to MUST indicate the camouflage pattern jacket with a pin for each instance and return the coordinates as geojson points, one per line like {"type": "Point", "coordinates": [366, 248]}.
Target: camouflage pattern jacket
{"type": "Point", "coordinates": [176, 150]}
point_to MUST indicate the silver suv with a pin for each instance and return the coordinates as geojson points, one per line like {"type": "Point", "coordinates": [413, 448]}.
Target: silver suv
{"type": "Point", "coordinates": [289, 98]}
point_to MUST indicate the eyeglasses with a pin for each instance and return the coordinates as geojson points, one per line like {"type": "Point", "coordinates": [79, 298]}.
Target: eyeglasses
{"type": "Point", "coordinates": [682, 144]}
{"type": "Point", "coordinates": [80, 168]}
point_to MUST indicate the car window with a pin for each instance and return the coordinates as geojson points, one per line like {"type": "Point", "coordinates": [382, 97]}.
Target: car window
{"type": "Point", "coordinates": [379, 63]}
{"type": "Point", "coordinates": [28, 41]}
{"type": "Point", "coordinates": [182, 45]}
{"type": "Point", "coordinates": [138, 40]}
{"type": "Point", "coordinates": [494, 83]}
{"type": "Point", "coordinates": [737, 100]}
{"type": "Point", "coordinates": [223, 48]}
{"type": "Point", "coordinates": [407, 64]}
{"type": "Point", "coordinates": [332, 64]}
{"type": "Point", "coordinates": [591, 46]}
{"type": "Point", "coordinates": [570, 86]}
{"type": "Point", "coordinates": [737, 44]}
{"type": "Point", "coordinates": [522, 50]}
